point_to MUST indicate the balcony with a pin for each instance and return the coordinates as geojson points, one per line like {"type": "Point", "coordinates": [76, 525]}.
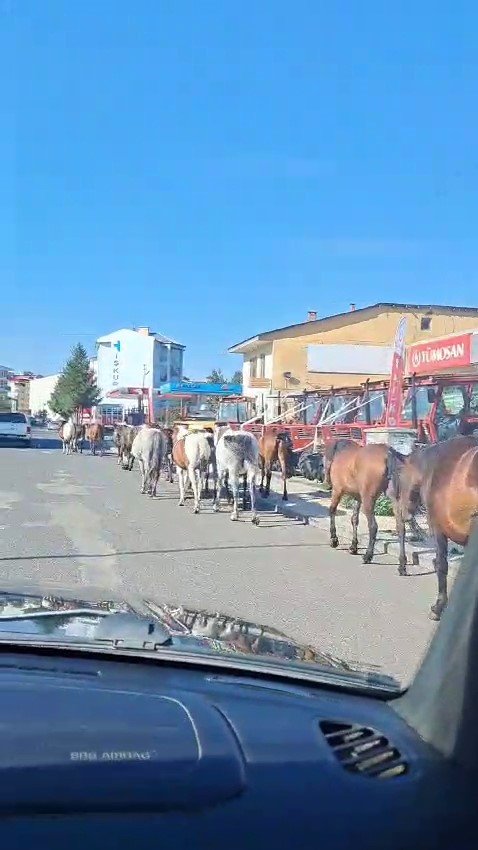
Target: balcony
{"type": "Point", "coordinates": [259, 383]}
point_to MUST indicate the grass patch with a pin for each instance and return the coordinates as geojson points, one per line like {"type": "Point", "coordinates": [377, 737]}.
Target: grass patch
{"type": "Point", "coordinates": [383, 505]}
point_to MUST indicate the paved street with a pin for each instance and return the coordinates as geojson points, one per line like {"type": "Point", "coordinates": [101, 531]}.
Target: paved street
{"type": "Point", "coordinates": [79, 522]}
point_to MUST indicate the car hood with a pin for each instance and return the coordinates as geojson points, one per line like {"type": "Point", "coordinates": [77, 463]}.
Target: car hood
{"type": "Point", "coordinates": [56, 620]}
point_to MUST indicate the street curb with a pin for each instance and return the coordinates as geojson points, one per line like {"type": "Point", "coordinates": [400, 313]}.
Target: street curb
{"type": "Point", "coordinates": [417, 555]}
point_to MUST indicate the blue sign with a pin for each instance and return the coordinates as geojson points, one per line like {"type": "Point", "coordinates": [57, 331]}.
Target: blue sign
{"type": "Point", "coordinates": [200, 388]}
{"type": "Point", "coordinates": [117, 345]}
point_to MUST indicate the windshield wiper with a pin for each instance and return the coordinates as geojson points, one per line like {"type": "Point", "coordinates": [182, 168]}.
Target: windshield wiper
{"type": "Point", "coordinates": [116, 630]}
{"type": "Point", "coordinates": [70, 612]}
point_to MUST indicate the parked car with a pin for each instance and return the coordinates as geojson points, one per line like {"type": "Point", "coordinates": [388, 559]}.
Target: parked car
{"type": "Point", "coordinates": [15, 427]}
{"type": "Point", "coordinates": [52, 425]}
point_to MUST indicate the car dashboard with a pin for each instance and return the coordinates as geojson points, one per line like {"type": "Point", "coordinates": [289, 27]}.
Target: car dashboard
{"type": "Point", "coordinates": [116, 753]}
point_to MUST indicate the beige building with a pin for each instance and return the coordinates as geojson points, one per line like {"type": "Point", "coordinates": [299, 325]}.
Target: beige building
{"type": "Point", "coordinates": [40, 394]}
{"type": "Point", "coordinates": [19, 386]}
{"type": "Point", "coordinates": [343, 349]}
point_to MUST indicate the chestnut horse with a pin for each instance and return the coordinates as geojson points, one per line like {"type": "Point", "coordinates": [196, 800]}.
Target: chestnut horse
{"type": "Point", "coordinates": [363, 472]}
{"type": "Point", "coordinates": [444, 478]}
{"type": "Point", "coordinates": [274, 448]}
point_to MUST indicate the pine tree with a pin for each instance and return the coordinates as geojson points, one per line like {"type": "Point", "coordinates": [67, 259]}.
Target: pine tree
{"type": "Point", "coordinates": [76, 387]}
{"type": "Point", "coordinates": [237, 377]}
{"type": "Point", "coordinates": [216, 377]}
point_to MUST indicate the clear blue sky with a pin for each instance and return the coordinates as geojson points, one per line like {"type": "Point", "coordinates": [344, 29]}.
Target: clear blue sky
{"type": "Point", "coordinates": [216, 168]}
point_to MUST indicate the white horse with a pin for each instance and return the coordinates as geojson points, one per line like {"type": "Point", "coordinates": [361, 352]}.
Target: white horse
{"type": "Point", "coordinates": [191, 455]}
{"type": "Point", "coordinates": [68, 433]}
{"type": "Point", "coordinates": [237, 454]}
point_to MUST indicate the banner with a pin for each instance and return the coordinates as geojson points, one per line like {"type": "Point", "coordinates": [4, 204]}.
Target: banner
{"type": "Point", "coordinates": [452, 352]}
{"type": "Point", "coordinates": [394, 403]}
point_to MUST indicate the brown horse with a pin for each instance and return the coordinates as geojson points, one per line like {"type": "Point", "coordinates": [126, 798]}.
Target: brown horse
{"type": "Point", "coordinates": [363, 472]}
{"type": "Point", "coordinates": [274, 448]}
{"type": "Point", "coordinates": [94, 433]}
{"type": "Point", "coordinates": [444, 478]}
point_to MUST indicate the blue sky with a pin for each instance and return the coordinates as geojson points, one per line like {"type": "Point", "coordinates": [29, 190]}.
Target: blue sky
{"type": "Point", "coordinates": [216, 168]}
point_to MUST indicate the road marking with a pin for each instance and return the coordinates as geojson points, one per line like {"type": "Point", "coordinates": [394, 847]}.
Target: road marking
{"type": "Point", "coordinates": [35, 524]}
{"type": "Point", "coordinates": [7, 499]}
{"type": "Point", "coordinates": [82, 526]}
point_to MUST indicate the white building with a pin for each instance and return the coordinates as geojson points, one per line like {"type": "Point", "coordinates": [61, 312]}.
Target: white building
{"type": "Point", "coordinates": [4, 383]}
{"type": "Point", "coordinates": [135, 359]}
{"type": "Point", "coordinates": [40, 394]}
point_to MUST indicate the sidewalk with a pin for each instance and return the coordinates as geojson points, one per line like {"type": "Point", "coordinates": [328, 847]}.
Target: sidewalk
{"type": "Point", "coordinates": [309, 503]}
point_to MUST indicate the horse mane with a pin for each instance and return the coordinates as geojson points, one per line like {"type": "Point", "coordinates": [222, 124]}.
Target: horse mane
{"type": "Point", "coordinates": [394, 464]}
{"type": "Point", "coordinates": [335, 447]}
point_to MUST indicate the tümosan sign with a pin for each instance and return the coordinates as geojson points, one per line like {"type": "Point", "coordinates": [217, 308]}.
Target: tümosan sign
{"type": "Point", "coordinates": [447, 353]}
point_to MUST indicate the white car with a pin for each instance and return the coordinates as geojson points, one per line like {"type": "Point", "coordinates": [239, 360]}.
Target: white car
{"type": "Point", "coordinates": [15, 427]}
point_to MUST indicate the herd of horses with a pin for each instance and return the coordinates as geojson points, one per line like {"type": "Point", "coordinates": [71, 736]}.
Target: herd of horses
{"type": "Point", "coordinates": [441, 479]}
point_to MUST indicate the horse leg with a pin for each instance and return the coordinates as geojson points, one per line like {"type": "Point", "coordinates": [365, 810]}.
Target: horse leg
{"type": "Point", "coordinates": [283, 467]}
{"type": "Point", "coordinates": [400, 521]}
{"type": "Point", "coordinates": [355, 521]}
{"type": "Point", "coordinates": [334, 540]}
{"type": "Point", "coordinates": [441, 568]}
{"type": "Point", "coordinates": [263, 468]}
{"type": "Point", "coordinates": [244, 492]}
{"type": "Point", "coordinates": [154, 482]}
{"type": "Point", "coordinates": [196, 486]}
{"type": "Point", "coordinates": [234, 482]}
{"type": "Point", "coordinates": [143, 474]}
{"type": "Point", "coordinates": [251, 477]}
{"type": "Point", "coordinates": [268, 478]}
{"type": "Point", "coordinates": [368, 506]}
{"type": "Point", "coordinates": [220, 476]}
{"type": "Point", "coordinates": [181, 473]}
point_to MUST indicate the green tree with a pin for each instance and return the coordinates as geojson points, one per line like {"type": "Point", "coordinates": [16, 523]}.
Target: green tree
{"type": "Point", "coordinates": [237, 377]}
{"type": "Point", "coordinates": [76, 387]}
{"type": "Point", "coordinates": [216, 377]}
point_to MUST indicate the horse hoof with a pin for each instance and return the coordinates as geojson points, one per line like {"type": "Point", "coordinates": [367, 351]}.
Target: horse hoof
{"type": "Point", "coordinates": [334, 542]}
{"type": "Point", "coordinates": [367, 559]}
{"type": "Point", "coordinates": [255, 520]}
{"type": "Point", "coordinates": [285, 498]}
{"type": "Point", "coordinates": [402, 571]}
{"type": "Point", "coordinates": [180, 504]}
{"type": "Point", "coordinates": [433, 615]}
{"type": "Point", "coordinates": [196, 510]}
{"type": "Point", "coordinates": [353, 550]}
{"type": "Point", "coordinates": [234, 517]}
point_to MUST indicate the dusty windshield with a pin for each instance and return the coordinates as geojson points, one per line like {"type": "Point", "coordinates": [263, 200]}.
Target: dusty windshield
{"type": "Point", "coordinates": [214, 215]}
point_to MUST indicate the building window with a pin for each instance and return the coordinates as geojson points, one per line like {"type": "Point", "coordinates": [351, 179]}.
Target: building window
{"type": "Point", "coordinates": [176, 364]}
{"type": "Point", "coordinates": [425, 323]}
{"type": "Point", "coordinates": [258, 366]}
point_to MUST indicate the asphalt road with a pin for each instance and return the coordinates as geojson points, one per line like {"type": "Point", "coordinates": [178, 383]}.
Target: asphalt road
{"type": "Point", "coordinates": [79, 523]}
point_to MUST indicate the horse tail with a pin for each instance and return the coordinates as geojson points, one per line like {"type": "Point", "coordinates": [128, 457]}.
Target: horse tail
{"type": "Point", "coordinates": [330, 451]}
{"type": "Point", "coordinates": [393, 466]}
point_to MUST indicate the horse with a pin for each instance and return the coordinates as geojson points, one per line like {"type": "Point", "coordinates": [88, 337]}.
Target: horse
{"type": "Point", "coordinates": [149, 447]}
{"type": "Point", "coordinates": [363, 472]}
{"type": "Point", "coordinates": [70, 434]}
{"type": "Point", "coordinates": [237, 453]}
{"type": "Point", "coordinates": [444, 478]}
{"type": "Point", "coordinates": [191, 455]}
{"type": "Point", "coordinates": [123, 437]}
{"type": "Point", "coordinates": [95, 436]}
{"type": "Point", "coordinates": [274, 448]}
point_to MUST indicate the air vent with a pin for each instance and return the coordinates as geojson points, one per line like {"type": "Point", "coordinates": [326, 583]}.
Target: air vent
{"type": "Point", "coordinates": [363, 751]}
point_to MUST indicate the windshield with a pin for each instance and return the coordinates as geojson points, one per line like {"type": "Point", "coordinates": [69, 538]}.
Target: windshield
{"type": "Point", "coordinates": [376, 405]}
{"type": "Point", "coordinates": [218, 215]}
{"type": "Point", "coordinates": [424, 399]}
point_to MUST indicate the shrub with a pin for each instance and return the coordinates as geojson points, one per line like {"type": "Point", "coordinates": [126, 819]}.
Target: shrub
{"type": "Point", "coordinates": [383, 505]}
